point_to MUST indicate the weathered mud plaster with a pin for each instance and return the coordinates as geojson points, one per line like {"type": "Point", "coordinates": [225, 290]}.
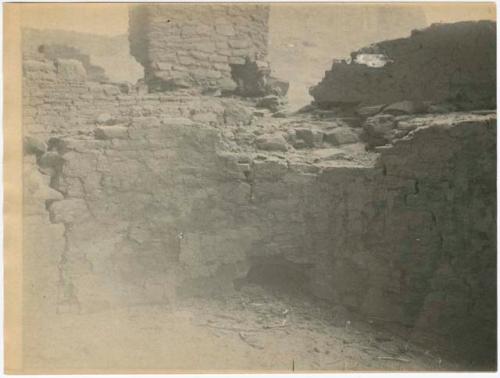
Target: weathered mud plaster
{"type": "Point", "coordinates": [443, 63]}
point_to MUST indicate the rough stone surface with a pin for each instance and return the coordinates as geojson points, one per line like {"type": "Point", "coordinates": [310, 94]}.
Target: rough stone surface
{"type": "Point", "coordinates": [405, 107]}
{"type": "Point", "coordinates": [341, 135]}
{"type": "Point", "coordinates": [272, 143]}
{"type": "Point", "coordinates": [419, 68]}
{"type": "Point", "coordinates": [183, 45]}
{"type": "Point", "coordinates": [442, 251]}
{"type": "Point", "coordinates": [379, 130]}
{"type": "Point", "coordinates": [131, 198]}
{"type": "Point", "coordinates": [71, 69]}
{"type": "Point", "coordinates": [309, 136]}
{"type": "Point", "coordinates": [273, 103]}
{"type": "Point", "coordinates": [111, 132]}
{"type": "Point", "coordinates": [57, 51]}
{"type": "Point", "coordinates": [68, 211]}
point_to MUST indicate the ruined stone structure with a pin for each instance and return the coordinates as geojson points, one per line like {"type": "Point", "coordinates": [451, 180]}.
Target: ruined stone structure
{"type": "Point", "coordinates": [306, 37]}
{"type": "Point", "coordinates": [453, 63]}
{"type": "Point", "coordinates": [132, 198]}
{"type": "Point", "coordinates": [55, 52]}
{"type": "Point", "coordinates": [109, 53]}
{"type": "Point", "coordinates": [187, 45]}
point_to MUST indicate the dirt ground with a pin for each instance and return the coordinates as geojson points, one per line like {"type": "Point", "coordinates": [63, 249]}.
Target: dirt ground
{"type": "Point", "coordinates": [250, 331]}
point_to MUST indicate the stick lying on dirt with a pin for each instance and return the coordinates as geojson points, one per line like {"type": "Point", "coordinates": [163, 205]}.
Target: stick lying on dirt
{"type": "Point", "coordinates": [392, 359]}
{"type": "Point", "coordinates": [237, 329]}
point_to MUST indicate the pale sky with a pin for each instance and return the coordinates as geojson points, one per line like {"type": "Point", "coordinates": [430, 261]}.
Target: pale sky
{"type": "Point", "coordinates": [453, 12]}
{"type": "Point", "coordinates": [112, 19]}
{"type": "Point", "coordinates": [104, 19]}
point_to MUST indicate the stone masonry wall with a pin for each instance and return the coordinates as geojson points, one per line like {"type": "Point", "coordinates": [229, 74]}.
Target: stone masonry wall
{"type": "Point", "coordinates": [146, 197]}
{"type": "Point", "coordinates": [57, 99]}
{"type": "Point", "coordinates": [452, 63]}
{"type": "Point", "coordinates": [183, 45]}
{"type": "Point", "coordinates": [433, 231]}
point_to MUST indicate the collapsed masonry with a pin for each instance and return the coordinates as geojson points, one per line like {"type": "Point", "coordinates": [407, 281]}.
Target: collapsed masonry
{"type": "Point", "coordinates": [446, 63]}
{"type": "Point", "coordinates": [95, 52]}
{"type": "Point", "coordinates": [130, 197]}
{"type": "Point", "coordinates": [56, 51]}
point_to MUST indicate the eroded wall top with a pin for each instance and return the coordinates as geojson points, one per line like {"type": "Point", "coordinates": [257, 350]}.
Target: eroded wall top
{"type": "Point", "coordinates": [453, 63]}
{"type": "Point", "coordinates": [193, 45]}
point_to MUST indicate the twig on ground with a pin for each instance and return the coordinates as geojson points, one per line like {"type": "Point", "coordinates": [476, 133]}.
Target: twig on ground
{"type": "Point", "coordinates": [392, 358]}
{"type": "Point", "coordinates": [273, 326]}
{"type": "Point", "coordinates": [235, 329]}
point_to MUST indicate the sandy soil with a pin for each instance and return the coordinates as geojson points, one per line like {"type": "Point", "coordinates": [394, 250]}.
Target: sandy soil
{"type": "Point", "coordinates": [253, 330]}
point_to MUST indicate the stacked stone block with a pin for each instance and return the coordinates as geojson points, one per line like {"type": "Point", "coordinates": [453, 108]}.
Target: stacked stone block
{"type": "Point", "coordinates": [184, 45]}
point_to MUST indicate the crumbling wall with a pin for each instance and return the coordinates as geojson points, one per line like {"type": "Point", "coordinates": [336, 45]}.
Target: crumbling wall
{"type": "Point", "coordinates": [428, 256]}
{"type": "Point", "coordinates": [159, 206]}
{"type": "Point", "coordinates": [448, 255]}
{"type": "Point", "coordinates": [54, 52]}
{"type": "Point", "coordinates": [57, 99]}
{"type": "Point", "coordinates": [321, 32]}
{"type": "Point", "coordinates": [184, 45]}
{"type": "Point", "coordinates": [147, 197]}
{"type": "Point", "coordinates": [156, 182]}
{"type": "Point", "coordinates": [453, 63]}
{"type": "Point", "coordinates": [112, 53]}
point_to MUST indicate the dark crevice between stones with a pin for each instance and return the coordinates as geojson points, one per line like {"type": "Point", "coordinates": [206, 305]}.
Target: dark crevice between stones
{"type": "Point", "coordinates": [254, 79]}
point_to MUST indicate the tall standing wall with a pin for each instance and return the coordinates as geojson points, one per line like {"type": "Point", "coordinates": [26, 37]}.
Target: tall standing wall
{"type": "Point", "coordinates": [184, 45]}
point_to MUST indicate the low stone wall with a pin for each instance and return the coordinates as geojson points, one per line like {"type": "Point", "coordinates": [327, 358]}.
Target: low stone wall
{"type": "Point", "coordinates": [58, 100]}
